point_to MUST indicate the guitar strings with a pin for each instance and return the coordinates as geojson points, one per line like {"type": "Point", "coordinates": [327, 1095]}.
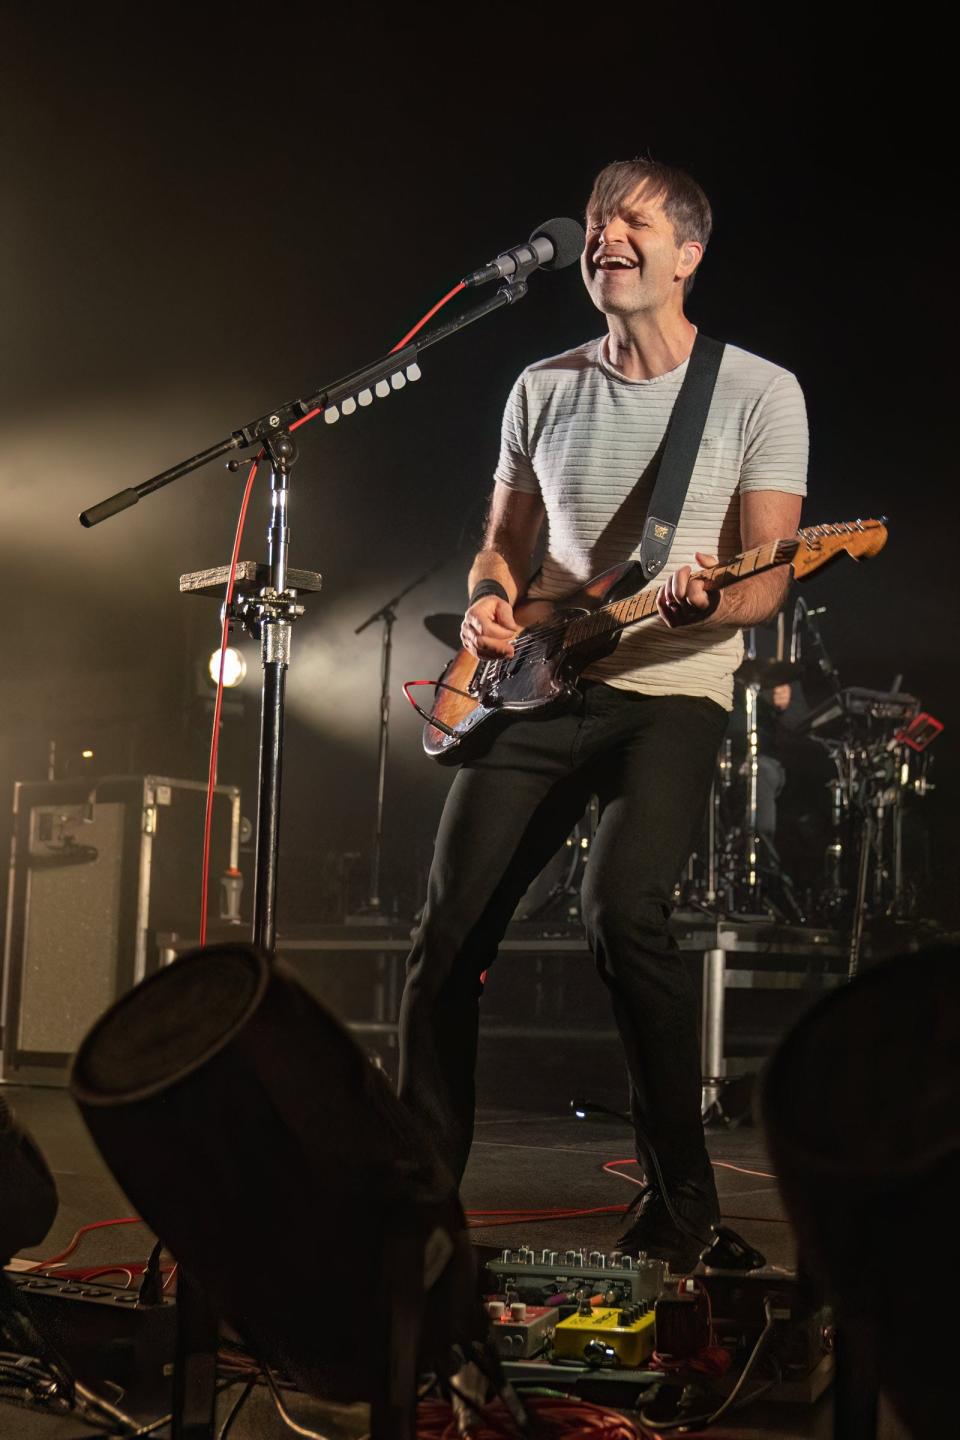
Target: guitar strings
{"type": "Point", "coordinates": [547, 629]}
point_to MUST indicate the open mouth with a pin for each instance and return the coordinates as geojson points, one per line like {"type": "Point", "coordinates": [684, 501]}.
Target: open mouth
{"type": "Point", "coordinates": [611, 263]}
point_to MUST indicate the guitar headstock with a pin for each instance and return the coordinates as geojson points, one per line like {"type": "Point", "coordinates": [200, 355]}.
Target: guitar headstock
{"type": "Point", "coordinates": [818, 545]}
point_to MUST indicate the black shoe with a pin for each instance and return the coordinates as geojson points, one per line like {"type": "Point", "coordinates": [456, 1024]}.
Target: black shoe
{"type": "Point", "coordinates": [655, 1232]}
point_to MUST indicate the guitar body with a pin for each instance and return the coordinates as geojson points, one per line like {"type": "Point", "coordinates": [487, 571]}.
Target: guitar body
{"type": "Point", "coordinates": [556, 642]}
{"type": "Point", "coordinates": [540, 678]}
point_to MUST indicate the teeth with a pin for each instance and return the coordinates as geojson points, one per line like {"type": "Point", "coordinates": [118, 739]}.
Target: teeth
{"type": "Point", "coordinates": [606, 261]}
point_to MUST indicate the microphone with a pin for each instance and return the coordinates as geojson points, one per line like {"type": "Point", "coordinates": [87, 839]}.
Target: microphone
{"type": "Point", "coordinates": [553, 246]}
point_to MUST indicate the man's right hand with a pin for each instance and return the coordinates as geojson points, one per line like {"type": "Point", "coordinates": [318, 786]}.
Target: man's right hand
{"type": "Point", "coordinates": [488, 628]}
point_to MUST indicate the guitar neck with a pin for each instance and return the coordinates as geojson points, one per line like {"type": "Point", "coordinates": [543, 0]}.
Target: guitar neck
{"type": "Point", "coordinates": [630, 611]}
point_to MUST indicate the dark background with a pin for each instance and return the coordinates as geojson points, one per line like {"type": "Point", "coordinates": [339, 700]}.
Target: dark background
{"type": "Point", "coordinates": [206, 212]}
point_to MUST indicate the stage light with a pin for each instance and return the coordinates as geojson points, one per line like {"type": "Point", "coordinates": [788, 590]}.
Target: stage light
{"type": "Point", "coordinates": [233, 1109]}
{"type": "Point", "coordinates": [234, 667]}
{"type": "Point", "coordinates": [86, 754]}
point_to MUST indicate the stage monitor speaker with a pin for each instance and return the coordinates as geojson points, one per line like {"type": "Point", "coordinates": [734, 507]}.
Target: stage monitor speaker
{"type": "Point", "coordinates": [97, 868]}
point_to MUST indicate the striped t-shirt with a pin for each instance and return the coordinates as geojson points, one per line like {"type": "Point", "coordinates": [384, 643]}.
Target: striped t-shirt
{"type": "Point", "coordinates": [583, 436]}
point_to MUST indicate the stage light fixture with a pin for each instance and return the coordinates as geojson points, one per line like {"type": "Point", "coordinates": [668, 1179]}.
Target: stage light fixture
{"type": "Point", "coordinates": [234, 667]}
{"type": "Point", "coordinates": [238, 1115]}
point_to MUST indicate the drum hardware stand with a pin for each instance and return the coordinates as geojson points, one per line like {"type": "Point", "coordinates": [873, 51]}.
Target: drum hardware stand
{"type": "Point", "coordinates": [751, 838]}
{"type": "Point", "coordinates": [713, 1062]}
{"type": "Point", "coordinates": [372, 912]}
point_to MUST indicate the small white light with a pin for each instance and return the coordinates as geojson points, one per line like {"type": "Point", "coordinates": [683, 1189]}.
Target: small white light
{"type": "Point", "coordinates": [87, 754]}
{"type": "Point", "coordinates": [234, 667]}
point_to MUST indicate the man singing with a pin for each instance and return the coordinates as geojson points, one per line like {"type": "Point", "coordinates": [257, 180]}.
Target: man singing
{"type": "Point", "coordinates": [581, 435]}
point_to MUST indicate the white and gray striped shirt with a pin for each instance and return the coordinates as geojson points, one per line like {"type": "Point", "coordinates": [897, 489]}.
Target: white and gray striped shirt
{"type": "Point", "coordinates": [583, 436]}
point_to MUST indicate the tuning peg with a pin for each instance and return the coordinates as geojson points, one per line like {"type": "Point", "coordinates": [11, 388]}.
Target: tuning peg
{"type": "Point", "coordinates": [331, 414]}
{"type": "Point", "coordinates": [382, 388]}
{"type": "Point", "coordinates": [349, 405]}
{"type": "Point", "coordinates": [365, 397]}
{"type": "Point", "coordinates": [399, 380]}
{"type": "Point", "coordinates": [413, 371]}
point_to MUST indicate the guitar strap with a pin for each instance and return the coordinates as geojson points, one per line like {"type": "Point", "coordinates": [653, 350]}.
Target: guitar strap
{"type": "Point", "coordinates": [681, 444]}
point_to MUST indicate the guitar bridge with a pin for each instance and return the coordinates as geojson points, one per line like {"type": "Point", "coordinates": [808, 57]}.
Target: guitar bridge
{"type": "Point", "coordinates": [480, 677]}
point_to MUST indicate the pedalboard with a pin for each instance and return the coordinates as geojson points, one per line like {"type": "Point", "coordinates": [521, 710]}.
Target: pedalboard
{"type": "Point", "coordinates": [540, 1276]}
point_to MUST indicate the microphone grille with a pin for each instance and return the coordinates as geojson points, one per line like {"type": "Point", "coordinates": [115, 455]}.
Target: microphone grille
{"type": "Point", "coordinates": [567, 238]}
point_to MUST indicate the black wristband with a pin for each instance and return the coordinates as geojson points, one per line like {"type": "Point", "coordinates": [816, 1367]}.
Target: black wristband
{"type": "Point", "coordinates": [487, 587]}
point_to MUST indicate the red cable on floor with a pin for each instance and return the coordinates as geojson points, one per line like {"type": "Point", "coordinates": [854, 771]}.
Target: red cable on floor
{"type": "Point", "coordinates": [553, 1418]}
{"type": "Point", "coordinates": [84, 1230]}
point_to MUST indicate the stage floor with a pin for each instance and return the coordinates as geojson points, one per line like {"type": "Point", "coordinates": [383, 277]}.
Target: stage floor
{"type": "Point", "coordinates": [522, 1159]}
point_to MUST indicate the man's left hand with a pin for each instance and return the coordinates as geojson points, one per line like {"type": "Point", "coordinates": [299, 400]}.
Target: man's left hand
{"type": "Point", "coordinates": [684, 599]}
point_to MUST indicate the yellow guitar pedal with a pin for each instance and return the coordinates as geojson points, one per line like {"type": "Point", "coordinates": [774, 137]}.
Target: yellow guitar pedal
{"type": "Point", "coordinates": [617, 1336]}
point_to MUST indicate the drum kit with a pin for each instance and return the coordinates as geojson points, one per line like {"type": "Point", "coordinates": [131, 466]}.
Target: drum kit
{"type": "Point", "coordinates": [850, 766]}
{"type": "Point", "coordinates": [858, 759]}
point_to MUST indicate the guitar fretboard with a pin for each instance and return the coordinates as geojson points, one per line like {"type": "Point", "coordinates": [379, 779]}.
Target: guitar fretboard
{"type": "Point", "coordinates": [642, 606]}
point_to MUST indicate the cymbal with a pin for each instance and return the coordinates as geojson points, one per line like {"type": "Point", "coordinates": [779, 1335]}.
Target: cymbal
{"type": "Point", "coordinates": [445, 628]}
{"type": "Point", "coordinates": [767, 673]}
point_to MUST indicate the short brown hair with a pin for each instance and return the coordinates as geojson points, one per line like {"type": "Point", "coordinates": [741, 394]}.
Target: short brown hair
{"type": "Point", "coordinates": [684, 202]}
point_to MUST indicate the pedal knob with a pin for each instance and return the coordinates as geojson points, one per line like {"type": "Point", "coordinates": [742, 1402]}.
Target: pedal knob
{"type": "Point", "coordinates": [495, 1309]}
{"type": "Point", "coordinates": [518, 1311]}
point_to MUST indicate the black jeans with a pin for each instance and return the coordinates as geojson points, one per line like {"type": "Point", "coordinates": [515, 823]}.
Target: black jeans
{"type": "Point", "coordinates": [650, 761]}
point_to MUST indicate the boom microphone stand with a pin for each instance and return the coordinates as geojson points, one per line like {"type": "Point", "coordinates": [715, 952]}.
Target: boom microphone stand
{"type": "Point", "coordinates": [267, 599]}
{"type": "Point", "coordinates": [372, 912]}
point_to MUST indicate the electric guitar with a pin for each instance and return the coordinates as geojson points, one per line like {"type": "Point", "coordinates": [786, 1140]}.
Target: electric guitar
{"type": "Point", "coordinates": [557, 640]}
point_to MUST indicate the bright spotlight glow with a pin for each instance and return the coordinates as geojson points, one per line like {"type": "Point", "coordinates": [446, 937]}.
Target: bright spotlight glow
{"type": "Point", "coordinates": [87, 754]}
{"type": "Point", "coordinates": [234, 667]}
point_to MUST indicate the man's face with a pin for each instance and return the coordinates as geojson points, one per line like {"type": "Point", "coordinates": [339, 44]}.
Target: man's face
{"type": "Point", "coordinates": [631, 258]}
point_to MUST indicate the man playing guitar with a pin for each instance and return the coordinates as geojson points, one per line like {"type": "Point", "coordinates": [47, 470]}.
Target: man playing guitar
{"type": "Point", "coordinates": [578, 431]}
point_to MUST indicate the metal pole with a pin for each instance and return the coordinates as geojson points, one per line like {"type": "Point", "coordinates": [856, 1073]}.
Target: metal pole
{"type": "Point", "coordinates": [860, 904]}
{"type": "Point", "coordinates": [389, 616]}
{"type": "Point", "coordinates": [275, 656]}
{"type": "Point", "coordinates": [712, 1061]}
{"type": "Point", "coordinates": [751, 840]}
